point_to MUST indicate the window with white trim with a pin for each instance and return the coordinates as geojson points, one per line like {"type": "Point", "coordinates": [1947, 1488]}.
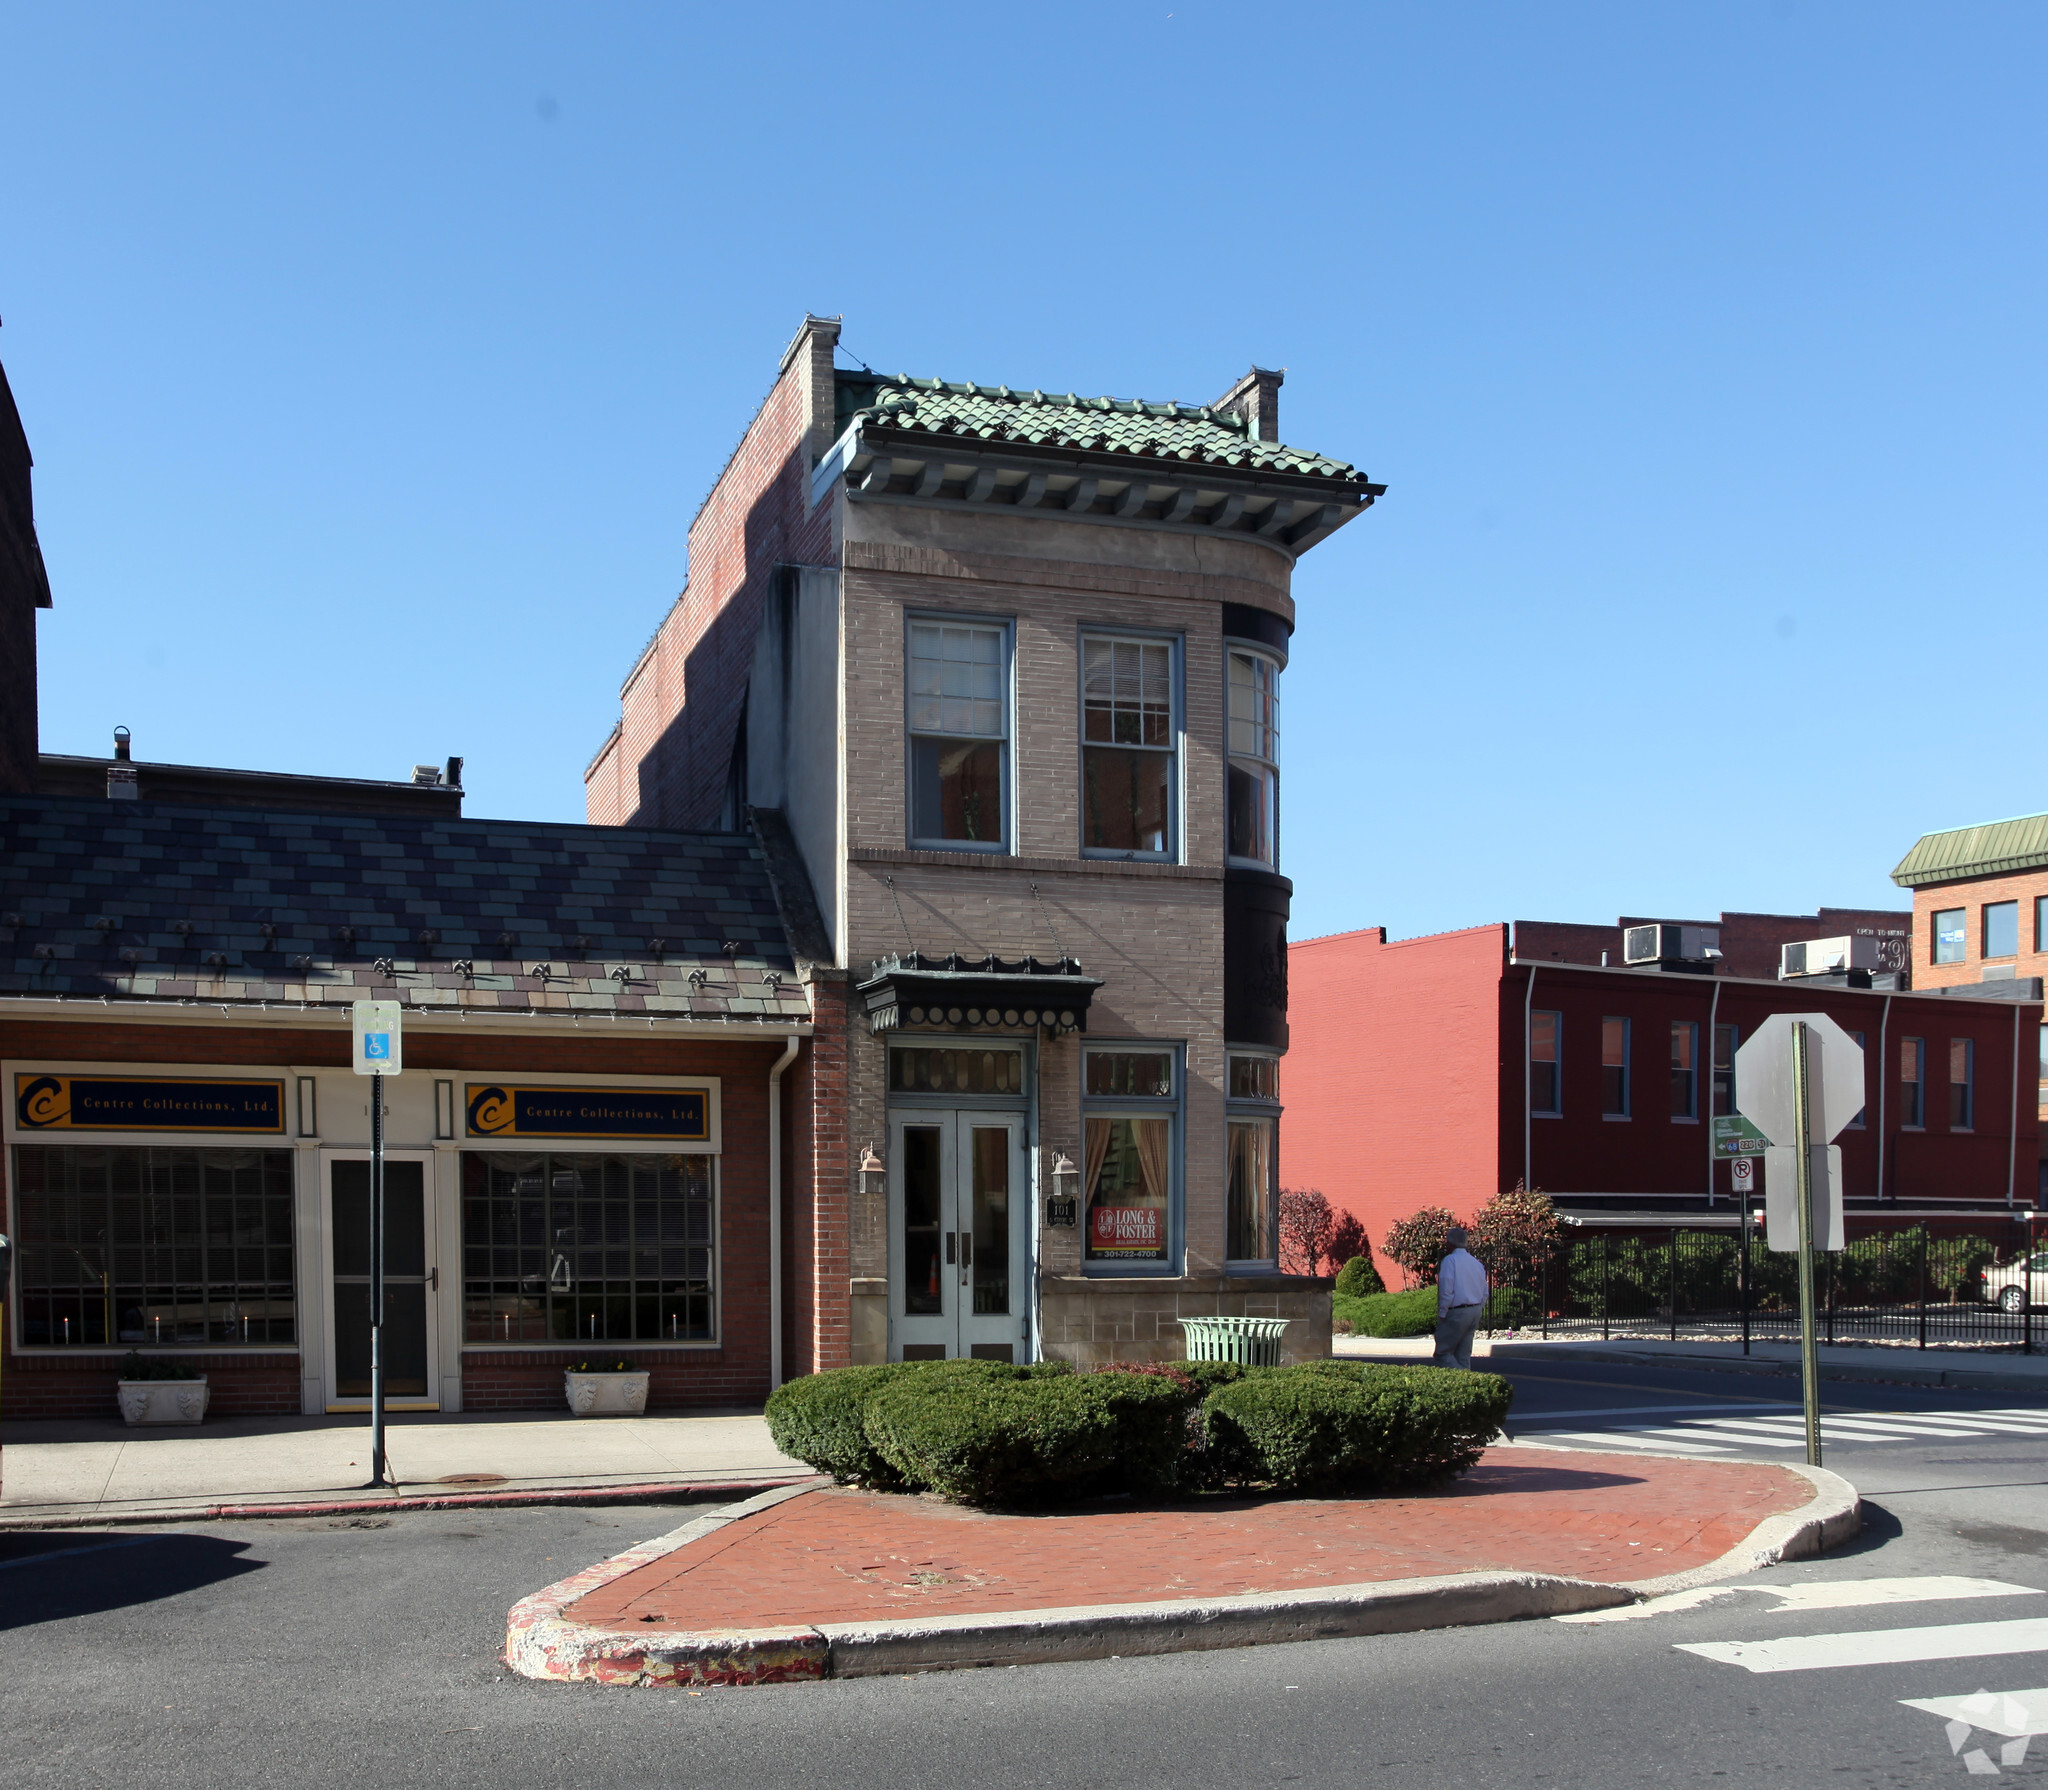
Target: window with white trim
{"type": "Point", "coordinates": [1129, 737]}
{"type": "Point", "coordinates": [958, 715]}
{"type": "Point", "coordinates": [1253, 799]}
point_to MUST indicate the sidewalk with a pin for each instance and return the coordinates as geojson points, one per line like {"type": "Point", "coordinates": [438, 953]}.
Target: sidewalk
{"type": "Point", "coordinates": [821, 1581]}
{"type": "Point", "coordinates": [1960, 1369]}
{"type": "Point", "coordinates": [63, 1472]}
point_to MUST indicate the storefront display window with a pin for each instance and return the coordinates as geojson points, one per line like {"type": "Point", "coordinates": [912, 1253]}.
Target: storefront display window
{"type": "Point", "coordinates": [153, 1247]}
{"type": "Point", "coordinates": [1252, 1192]}
{"type": "Point", "coordinates": [587, 1248]}
{"type": "Point", "coordinates": [1132, 1170]}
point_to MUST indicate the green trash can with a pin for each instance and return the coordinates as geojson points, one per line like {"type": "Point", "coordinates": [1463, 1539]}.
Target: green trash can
{"type": "Point", "coordinates": [1253, 1342]}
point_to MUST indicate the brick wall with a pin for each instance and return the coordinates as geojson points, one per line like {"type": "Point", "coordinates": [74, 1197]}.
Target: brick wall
{"type": "Point", "coordinates": [2025, 887]}
{"type": "Point", "coordinates": [521, 1379]}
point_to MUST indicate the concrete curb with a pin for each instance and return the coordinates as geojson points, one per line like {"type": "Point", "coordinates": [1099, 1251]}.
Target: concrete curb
{"type": "Point", "coordinates": [86, 1516]}
{"type": "Point", "coordinates": [1879, 1372]}
{"type": "Point", "coordinates": [542, 1641]}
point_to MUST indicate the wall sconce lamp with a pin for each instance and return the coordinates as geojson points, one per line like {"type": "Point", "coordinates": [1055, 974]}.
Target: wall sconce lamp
{"type": "Point", "coordinates": [1064, 1207]}
{"type": "Point", "coordinates": [874, 1177]}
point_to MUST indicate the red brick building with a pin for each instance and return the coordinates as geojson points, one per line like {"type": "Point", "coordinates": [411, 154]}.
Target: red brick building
{"type": "Point", "coordinates": [607, 1093]}
{"type": "Point", "coordinates": [1443, 1070]}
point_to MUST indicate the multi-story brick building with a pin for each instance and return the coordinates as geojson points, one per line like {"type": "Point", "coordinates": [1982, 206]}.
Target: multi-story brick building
{"type": "Point", "coordinates": [1980, 903]}
{"type": "Point", "coordinates": [1443, 1070]}
{"type": "Point", "coordinates": [993, 673]}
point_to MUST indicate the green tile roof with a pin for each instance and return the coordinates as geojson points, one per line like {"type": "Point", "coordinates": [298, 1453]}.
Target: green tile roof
{"type": "Point", "coordinates": [1995, 848]}
{"type": "Point", "coordinates": [1191, 432]}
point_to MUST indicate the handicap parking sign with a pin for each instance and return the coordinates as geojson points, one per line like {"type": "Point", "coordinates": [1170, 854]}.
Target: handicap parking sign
{"type": "Point", "coordinates": [377, 1037]}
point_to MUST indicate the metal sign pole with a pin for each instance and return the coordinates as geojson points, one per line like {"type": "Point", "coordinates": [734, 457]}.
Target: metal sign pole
{"type": "Point", "coordinates": [378, 1473]}
{"type": "Point", "coordinates": [1809, 1350]}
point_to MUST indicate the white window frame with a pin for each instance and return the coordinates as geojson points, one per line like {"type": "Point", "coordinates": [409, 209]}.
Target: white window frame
{"type": "Point", "coordinates": [1005, 630]}
{"type": "Point", "coordinates": [1270, 766]}
{"type": "Point", "coordinates": [1171, 751]}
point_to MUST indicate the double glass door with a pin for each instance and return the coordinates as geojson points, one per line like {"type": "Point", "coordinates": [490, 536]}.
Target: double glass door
{"type": "Point", "coordinates": [959, 1238]}
{"type": "Point", "coordinates": [409, 1278]}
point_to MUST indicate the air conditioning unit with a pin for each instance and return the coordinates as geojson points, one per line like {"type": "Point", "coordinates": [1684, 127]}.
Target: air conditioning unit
{"type": "Point", "coordinates": [1827, 957]}
{"type": "Point", "coordinates": [1664, 943]}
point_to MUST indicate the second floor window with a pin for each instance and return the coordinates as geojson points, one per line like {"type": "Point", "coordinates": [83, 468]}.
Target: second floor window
{"type": "Point", "coordinates": [1725, 1040]}
{"type": "Point", "coordinates": [958, 715]}
{"type": "Point", "coordinates": [2002, 929]}
{"type": "Point", "coordinates": [1546, 1078]}
{"type": "Point", "coordinates": [1962, 1084]}
{"type": "Point", "coordinates": [1951, 940]}
{"type": "Point", "coordinates": [1685, 1077]}
{"type": "Point", "coordinates": [1254, 793]}
{"type": "Point", "coordinates": [1912, 1083]}
{"type": "Point", "coordinates": [1127, 746]}
{"type": "Point", "coordinates": [1614, 1068]}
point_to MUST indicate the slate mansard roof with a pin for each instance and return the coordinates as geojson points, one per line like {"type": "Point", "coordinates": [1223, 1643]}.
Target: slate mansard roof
{"type": "Point", "coordinates": [1199, 434]}
{"type": "Point", "coordinates": [169, 902]}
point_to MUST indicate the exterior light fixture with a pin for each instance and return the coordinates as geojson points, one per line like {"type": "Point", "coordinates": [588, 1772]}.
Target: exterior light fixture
{"type": "Point", "coordinates": [1064, 1207]}
{"type": "Point", "coordinates": [874, 1176]}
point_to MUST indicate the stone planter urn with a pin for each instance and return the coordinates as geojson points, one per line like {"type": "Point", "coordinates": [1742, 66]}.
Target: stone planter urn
{"type": "Point", "coordinates": [162, 1401]}
{"type": "Point", "coordinates": [607, 1395]}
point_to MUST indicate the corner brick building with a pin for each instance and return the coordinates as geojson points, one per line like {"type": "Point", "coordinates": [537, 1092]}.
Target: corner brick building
{"type": "Point", "coordinates": [993, 674]}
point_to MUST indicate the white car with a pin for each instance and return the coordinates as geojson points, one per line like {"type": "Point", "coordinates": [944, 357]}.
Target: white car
{"type": "Point", "coordinates": [2002, 1285]}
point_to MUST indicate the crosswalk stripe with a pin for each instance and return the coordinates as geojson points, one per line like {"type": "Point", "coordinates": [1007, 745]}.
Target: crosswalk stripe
{"type": "Point", "coordinates": [1633, 1439]}
{"type": "Point", "coordinates": [1820, 1594]}
{"type": "Point", "coordinates": [1878, 1647]}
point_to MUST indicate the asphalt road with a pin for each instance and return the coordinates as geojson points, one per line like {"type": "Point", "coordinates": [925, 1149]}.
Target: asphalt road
{"type": "Point", "coordinates": [321, 1651]}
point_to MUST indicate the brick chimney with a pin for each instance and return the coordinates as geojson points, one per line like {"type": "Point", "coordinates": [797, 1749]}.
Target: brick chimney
{"type": "Point", "coordinates": [24, 588]}
{"type": "Point", "coordinates": [810, 354]}
{"type": "Point", "coordinates": [1256, 398]}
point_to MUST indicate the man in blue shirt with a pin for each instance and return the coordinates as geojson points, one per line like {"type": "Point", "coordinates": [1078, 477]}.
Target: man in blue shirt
{"type": "Point", "coordinates": [1460, 1297]}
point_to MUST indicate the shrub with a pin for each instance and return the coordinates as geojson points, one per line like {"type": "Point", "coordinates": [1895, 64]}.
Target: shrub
{"type": "Point", "coordinates": [1358, 1278]}
{"type": "Point", "coordinates": [604, 1364]}
{"type": "Point", "coordinates": [1515, 1233]}
{"type": "Point", "coordinates": [1412, 1313]}
{"type": "Point", "coordinates": [1010, 1435]}
{"type": "Point", "coordinates": [1334, 1426]}
{"type": "Point", "coordinates": [818, 1420]}
{"type": "Point", "coordinates": [1416, 1244]}
{"type": "Point", "coordinates": [1306, 1223]}
{"type": "Point", "coordinates": [1510, 1308]}
{"type": "Point", "coordinates": [142, 1367]}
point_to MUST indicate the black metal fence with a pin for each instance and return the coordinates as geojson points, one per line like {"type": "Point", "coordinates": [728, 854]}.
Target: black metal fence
{"type": "Point", "coordinates": [1948, 1288]}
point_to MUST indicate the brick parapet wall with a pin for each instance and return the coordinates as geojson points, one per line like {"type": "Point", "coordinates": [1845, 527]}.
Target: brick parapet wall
{"type": "Point", "coordinates": [1973, 896]}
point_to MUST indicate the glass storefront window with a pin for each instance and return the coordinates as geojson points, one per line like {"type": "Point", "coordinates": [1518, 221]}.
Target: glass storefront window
{"type": "Point", "coordinates": [1142, 1074]}
{"type": "Point", "coordinates": [1252, 1236]}
{"type": "Point", "coordinates": [588, 1248]}
{"type": "Point", "coordinates": [1131, 1139]}
{"type": "Point", "coordinates": [154, 1247]}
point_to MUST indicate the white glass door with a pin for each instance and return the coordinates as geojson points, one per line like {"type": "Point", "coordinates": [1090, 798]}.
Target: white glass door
{"type": "Point", "coordinates": [411, 1276]}
{"type": "Point", "coordinates": [959, 1239]}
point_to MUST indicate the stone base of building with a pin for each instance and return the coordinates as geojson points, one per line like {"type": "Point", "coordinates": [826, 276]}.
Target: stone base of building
{"type": "Point", "coordinates": [1091, 1322]}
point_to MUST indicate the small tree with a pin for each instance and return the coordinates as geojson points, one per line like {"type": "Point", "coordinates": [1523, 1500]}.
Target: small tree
{"type": "Point", "coordinates": [1306, 1222]}
{"type": "Point", "coordinates": [1347, 1239]}
{"type": "Point", "coordinates": [1417, 1244]}
{"type": "Point", "coordinates": [1515, 1233]}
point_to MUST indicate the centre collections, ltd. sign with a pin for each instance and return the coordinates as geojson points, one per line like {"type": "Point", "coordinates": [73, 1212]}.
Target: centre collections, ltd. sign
{"type": "Point", "coordinates": [666, 1114]}
{"type": "Point", "coordinates": [126, 1103]}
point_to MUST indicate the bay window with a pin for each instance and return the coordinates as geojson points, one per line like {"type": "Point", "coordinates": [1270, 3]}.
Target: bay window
{"type": "Point", "coordinates": [1252, 1209]}
{"type": "Point", "coordinates": [1253, 799]}
{"type": "Point", "coordinates": [1131, 1136]}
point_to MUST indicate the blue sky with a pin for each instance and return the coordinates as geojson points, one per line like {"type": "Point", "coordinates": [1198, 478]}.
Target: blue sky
{"type": "Point", "coordinates": [375, 360]}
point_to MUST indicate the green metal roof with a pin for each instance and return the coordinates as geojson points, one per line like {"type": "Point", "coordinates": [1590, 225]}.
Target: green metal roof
{"type": "Point", "coordinates": [1198, 433]}
{"type": "Point", "coordinates": [1994, 848]}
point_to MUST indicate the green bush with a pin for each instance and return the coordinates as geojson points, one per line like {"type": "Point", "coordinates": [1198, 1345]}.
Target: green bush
{"type": "Point", "coordinates": [1510, 1308]}
{"type": "Point", "coordinates": [1333, 1426]}
{"type": "Point", "coordinates": [1412, 1313]}
{"type": "Point", "coordinates": [817, 1420]}
{"type": "Point", "coordinates": [1359, 1279]}
{"type": "Point", "coordinates": [1014, 1436]}
{"type": "Point", "coordinates": [144, 1367]}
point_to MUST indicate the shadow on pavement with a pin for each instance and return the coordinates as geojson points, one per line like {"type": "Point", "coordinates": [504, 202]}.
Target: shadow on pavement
{"type": "Point", "coordinates": [53, 1574]}
{"type": "Point", "coordinates": [1880, 1529]}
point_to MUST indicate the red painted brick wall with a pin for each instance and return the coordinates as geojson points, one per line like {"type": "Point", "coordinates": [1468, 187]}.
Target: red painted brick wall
{"type": "Point", "coordinates": [736, 1373]}
{"type": "Point", "coordinates": [1391, 1083]}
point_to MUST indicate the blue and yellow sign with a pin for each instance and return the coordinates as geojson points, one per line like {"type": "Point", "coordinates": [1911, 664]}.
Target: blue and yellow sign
{"type": "Point", "coordinates": [670, 1115]}
{"type": "Point", "coordinates": [124, 1103]}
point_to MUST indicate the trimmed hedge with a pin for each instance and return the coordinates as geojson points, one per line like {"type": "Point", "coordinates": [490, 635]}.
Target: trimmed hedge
{"type": "Point", "coordinates": [987, 1432]}
{"type": "Point", "coordinates": [1331, 1426]}
{"type": "Point", "coordinates": [820, 1418]}
{"type": "Point", "coordinates": [1412, 1313]}
{"type": "Point", "coordinates": [985, 1438]}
